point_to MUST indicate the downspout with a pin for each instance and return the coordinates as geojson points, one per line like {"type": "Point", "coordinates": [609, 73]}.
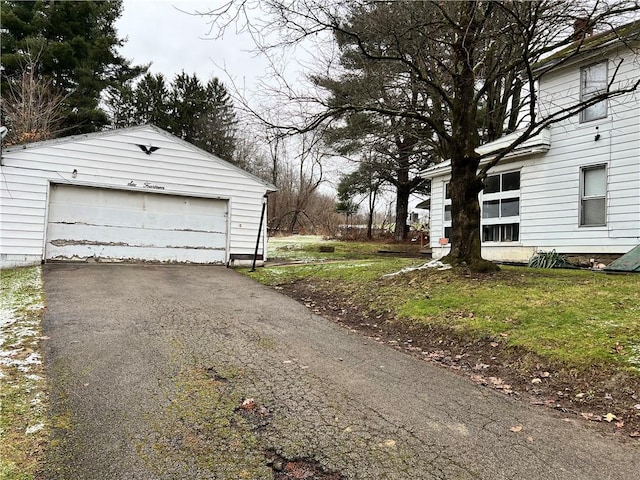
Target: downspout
{"type": "Point", "coordinates": [3, 133]}
{"type": "Point", "coordinates": [255, 254]}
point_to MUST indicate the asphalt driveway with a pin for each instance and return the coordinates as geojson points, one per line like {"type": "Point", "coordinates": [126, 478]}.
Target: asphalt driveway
{"type": "Point", "coordinates": [163, 372]}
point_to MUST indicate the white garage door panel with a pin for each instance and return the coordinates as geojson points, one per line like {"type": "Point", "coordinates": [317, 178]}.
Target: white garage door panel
{"type": "Point", "coordinates": [94, 215]}
{"type": "Point", "coordinates": [124, 225]}
{"type": "Point", "coordinates": [60, 234]}
{"type": "Point", "coordinates": [125, 254]}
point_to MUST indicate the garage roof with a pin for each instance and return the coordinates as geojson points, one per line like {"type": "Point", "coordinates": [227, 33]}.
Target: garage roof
{"type": "Point", "coordinates": [58, 141]}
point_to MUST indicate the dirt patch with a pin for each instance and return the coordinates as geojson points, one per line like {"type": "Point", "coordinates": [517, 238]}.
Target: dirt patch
{"type": "Point", "coordinates": [258, 416]}
{"type": "Point", "coordinates": [595, 394]}
{"type": "Point", "coordinates": [298, 469]}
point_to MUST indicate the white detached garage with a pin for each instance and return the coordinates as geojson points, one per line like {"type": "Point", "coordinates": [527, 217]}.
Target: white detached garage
{"type": "Point", "coordinates": [136, 194]}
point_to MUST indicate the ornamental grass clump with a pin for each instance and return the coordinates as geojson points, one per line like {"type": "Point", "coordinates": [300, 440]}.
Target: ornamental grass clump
{"type": "Point", "coordinates": [550, 259]}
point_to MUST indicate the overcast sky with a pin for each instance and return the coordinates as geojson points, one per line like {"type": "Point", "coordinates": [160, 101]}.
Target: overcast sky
{"type": "Point", "coordinates": [173, 41]}
{"type": "Point", "coordinates": [158, 32]}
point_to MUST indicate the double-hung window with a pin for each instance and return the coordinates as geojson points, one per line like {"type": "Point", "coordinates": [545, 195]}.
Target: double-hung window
{"type": "Point", "coordinates": [501, 208]}
{"type": "Point", "coordinates": [593, 196]}
{"type": "Point", "coordinates": [447, 213]}
{"type": "Point", "coordinates": [593, 81]}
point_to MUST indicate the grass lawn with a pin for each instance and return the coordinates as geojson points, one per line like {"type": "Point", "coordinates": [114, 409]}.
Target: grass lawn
{"type": "Point", "coordinates": [23, 424]}
{"type": "Point", "coordinates": [576, 317]}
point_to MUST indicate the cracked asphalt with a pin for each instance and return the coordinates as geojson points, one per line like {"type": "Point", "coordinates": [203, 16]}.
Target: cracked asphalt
{"type": "Point", "coordinates": [148, 366]}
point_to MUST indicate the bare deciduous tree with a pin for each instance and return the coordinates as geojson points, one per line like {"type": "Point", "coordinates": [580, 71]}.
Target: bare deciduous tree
{"type": "Point", "coordinates": [297, 180]}
{"type": "Point", "coordinates": [32, 109]}
{"type": "Point", "coordinates": [478, 64]}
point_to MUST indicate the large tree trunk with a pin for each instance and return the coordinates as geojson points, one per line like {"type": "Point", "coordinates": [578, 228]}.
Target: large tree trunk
{"type": "Point", "coordinates": [466, 247]}
{"type": "Point", "coordinates": [465, 217]}
{"type": "Point", "coordinates": [372, 211]}
{"type": "Point", "coordinates": [402, 212]}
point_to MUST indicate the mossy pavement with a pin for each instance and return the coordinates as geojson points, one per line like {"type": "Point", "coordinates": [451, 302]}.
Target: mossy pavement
{"type": "Point", "coordinates": [162, 372]}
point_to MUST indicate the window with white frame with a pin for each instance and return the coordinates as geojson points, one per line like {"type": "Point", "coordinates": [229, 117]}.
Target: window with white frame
{"type": "Point", "coordinates": [593, 196]}
{"type": "Point", "coordinates": [593, 81]}
{"type": "Point", "coordinates": [447, 213]}
{"type": "Point", "coordinates": [501, 208]}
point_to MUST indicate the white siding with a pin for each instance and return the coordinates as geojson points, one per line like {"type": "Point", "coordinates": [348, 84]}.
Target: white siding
{"type": "Point", "coordinates": [550, 182]}
{"type": "Point", "coordinates": [113, 160]}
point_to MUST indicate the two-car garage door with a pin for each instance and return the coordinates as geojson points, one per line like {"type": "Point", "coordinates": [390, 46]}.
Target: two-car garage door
{"type": "Point", "coordinates": [123, 225]}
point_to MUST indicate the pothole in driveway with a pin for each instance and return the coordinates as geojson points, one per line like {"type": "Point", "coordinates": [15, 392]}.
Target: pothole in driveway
{"type": "Point", "coordinates": [283, 468]}
{"type": "Point", "coordinates": [298, 469]}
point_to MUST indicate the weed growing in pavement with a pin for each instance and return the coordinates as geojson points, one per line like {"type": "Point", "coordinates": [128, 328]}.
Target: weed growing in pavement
{"type": "Point", "coordinates": [200, 431]}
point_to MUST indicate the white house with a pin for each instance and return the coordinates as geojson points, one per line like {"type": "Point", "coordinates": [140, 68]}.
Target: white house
{"type": "Point", "coordinates": [575, 187]}
{"type": "Point", "coordinates": [134, 194]}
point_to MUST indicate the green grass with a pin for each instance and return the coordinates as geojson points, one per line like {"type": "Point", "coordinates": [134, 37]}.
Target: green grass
{"type": "Point", "coordinates": [23, 424]}
{"type": "Point", "coordinates": [580, 318]}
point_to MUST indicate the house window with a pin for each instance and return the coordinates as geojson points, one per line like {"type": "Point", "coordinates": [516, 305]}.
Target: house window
{"type": "Point", "coordinates": [593, 195]}
{"type": "Point", "coordinates": [501, 208]}
{"type": "Point", "coordinates": [447, 212]}
{"type": "Point", "coordinates": [593, 81]}
{"type": "Point", "coordinates": [509, 232]}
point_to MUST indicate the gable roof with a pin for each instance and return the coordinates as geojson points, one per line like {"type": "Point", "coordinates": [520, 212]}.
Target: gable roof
{"type": "Point", "coordinates": [592, 45]}
{"type": "Point", "coordinates": [139, 128]}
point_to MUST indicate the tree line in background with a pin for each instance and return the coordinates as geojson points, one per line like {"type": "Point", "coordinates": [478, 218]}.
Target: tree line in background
{"type": "Point", "coordinates": [201, 114]}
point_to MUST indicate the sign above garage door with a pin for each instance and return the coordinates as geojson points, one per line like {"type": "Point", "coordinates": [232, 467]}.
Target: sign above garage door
{"type": "Point", "coordinates": [121, 225]}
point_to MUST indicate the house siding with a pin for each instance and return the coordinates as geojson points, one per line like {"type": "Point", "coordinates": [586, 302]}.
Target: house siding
{"type": "Point", "coordinates": [113, 160]}
{"type": "Point", "coordinates": [550, 182]}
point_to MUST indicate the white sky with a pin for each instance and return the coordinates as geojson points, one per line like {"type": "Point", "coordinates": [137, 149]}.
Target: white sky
{"type": "Point", "coordinates": [173, 41]}
{"type": "Point", "coordinates": [158, 32]}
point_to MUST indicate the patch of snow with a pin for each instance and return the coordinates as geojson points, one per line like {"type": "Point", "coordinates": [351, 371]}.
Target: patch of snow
{"type": "Point", "coordinates": [33, 359]}
{"type": "Point", "coordinates": [6, 318]}
{"type": "Point", "coordinates": [340, 266]}
{"type": "Point", "coordinates": [10, 353]}
{"type": "Point", "coordinates": [22, 332]}
{"type": "Point", "coordinates": [34, 428]}
{"type": "Point", "coordinates": [437, 264]}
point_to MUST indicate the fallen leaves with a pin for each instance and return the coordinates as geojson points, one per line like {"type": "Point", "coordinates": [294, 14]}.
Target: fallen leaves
{"type": "Point", "coordinates": [591, 417]}
{"type": "Point", "coordinates": [618, 349]}
{"type": "Point", "coordinates": [500, 385]}
{"type": "Point", "coordinates": [248, 404]}
{"type": "Point", "coordinates": [608, 417]}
